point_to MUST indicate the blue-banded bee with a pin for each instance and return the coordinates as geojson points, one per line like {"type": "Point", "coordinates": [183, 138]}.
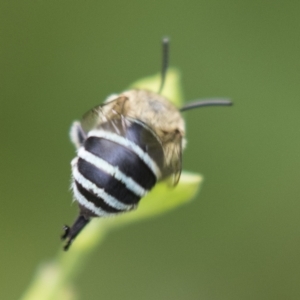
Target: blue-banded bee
{"type": "Point", "coordinates": [124, 147]}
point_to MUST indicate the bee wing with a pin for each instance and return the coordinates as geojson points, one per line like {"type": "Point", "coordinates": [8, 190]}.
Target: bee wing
{"type": "Point", "coordinates": [92, 118]}
{"type": "Point", "coordinates": [102, 113]}
{"type": "Point", "coordinates": [176, 162]}
{"type": "Point", "coordinates": [173, 157]}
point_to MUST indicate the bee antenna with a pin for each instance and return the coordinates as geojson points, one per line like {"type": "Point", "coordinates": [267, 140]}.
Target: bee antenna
{"type": "Point", "coordinates": [71, 233]}
{"type": "Point", "coordinates": [165, 61]}
{"type": "Point", "coordinates": [206, 102]}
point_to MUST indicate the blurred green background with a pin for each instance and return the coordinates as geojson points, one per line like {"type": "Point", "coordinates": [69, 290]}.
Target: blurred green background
{"type": "Point", "coordinates": [240, 238]}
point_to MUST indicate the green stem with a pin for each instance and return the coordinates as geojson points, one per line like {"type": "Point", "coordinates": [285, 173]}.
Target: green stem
{"type": "Point", "coordinates": [53, 279]}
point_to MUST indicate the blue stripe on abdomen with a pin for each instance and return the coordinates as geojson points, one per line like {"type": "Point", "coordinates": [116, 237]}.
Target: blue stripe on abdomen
{"type": "Point", "coordinates": [126, 160]}
{"type": "Point", "coordinates": [99, 202]}
{"type": "Point", "coordinates": [111, 185]}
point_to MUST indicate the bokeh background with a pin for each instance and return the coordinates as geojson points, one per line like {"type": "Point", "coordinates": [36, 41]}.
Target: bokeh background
{"type": "Point", "coordinates": [240, 237]}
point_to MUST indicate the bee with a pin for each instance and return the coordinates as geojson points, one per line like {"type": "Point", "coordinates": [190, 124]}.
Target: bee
{"type": "Point", "coordinates": [124, 147]}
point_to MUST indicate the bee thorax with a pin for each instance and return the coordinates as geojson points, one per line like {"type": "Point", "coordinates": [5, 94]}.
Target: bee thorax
{"type": "Point", "coordinates": [154, 110]}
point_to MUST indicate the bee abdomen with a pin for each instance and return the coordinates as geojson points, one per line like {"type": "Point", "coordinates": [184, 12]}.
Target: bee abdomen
{"type": "Point", "coordinates": [123, 159]}
{"type": "Point", "coordinates": [98, 196]}
{"type": "Point", "coordinates": [123, 144]}
{"type": "Point", "coordinates": [98, 201]}
{"type": "Point", "coordinates": [113, 172]}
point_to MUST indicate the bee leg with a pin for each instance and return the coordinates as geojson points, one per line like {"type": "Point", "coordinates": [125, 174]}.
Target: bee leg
{"type": "Point", "coordinates": [66, 229]}
{"type": "Point", "coordinates": [71, 232]}
{"type": "Point", "coordinates": [77, 134]}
